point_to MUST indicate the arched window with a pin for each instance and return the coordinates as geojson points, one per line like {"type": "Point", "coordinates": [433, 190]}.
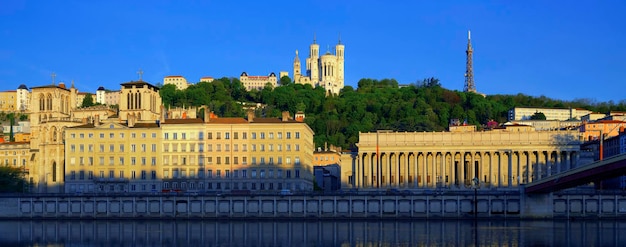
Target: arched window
{"type": "Point", "coordinates": [128, 101]}
{"type": "Point", "coordinates": [54, 171]}
{"type": "Point", "coordinates": [42, 102]}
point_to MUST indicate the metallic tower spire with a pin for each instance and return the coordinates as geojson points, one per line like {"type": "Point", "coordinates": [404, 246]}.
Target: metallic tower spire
{"type": "Point", "coordinates": [469, 71]}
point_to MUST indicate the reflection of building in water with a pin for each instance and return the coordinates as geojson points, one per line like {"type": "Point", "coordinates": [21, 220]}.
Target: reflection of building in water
{"type": "Point", "coordinates": [308, 233]}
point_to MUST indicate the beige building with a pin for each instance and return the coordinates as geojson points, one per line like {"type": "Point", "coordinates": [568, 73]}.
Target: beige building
{"type": "Point", "coordinates": [112, 98]}
{"type": "Point", "coordinates": [524, 113]}
{"type": "Point", "coordinates": [108, 156]}
{"type": "Point", "coordinates": [220, 154]}
{"type": "Point", "coordinates": [178, 80]}
{"type": "Point", "coordinates": [257, 82]}
{"type": "Point", "coordinates": [326, 71]}
{"type": "Point", "coordinates": [23, 98]}
{"type": "Point", "coordinates": [206, 79]}
{"type": "Point", "coordinates": [8, 101]}
{"type": "Point", "coordinates": [501, 158]}
{"type": "Point", "coordinates": [140, 100]}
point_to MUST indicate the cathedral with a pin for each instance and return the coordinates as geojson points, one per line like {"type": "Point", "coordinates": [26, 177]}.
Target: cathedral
{"type": "Point", "coordinates": [326, 71]}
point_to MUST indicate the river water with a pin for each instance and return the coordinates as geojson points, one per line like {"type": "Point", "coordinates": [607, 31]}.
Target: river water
{"type": "Point", "coordinates": [313, 233]}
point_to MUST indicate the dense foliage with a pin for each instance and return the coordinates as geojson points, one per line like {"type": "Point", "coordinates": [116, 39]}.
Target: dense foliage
{"type": "Point", "coordinates": [375, 104]}
{"type": "Point", "coordinates": [11, 179]}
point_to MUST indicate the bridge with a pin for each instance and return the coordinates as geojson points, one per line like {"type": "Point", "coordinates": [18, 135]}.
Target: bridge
{"type": "Point", "coordinates": [600, 170]}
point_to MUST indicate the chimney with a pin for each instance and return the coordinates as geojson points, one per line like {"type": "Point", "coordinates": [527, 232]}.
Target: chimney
{"type": "Point", "coordinates": [62, 84]}
{"type": "Point", "coordinates": [250, 115]}
{"type": "Point", "coordinates": [285, 116]}
{"type": "Point", "coordinates": [207, 115]}
{"type": "Point", "coordinates": [162, 118]}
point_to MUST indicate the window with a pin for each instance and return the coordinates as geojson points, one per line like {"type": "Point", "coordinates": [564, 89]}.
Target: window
{"type": "Point", "coordinates": [133, 135]}
{"type": "Point", "coordinates": [153, 135]}
{"type": "Point", "coordinates": [111, 135]}
{"type": "Point", "coordinates": [101, 135]}
{"type": "Point", "coordinates": [121, 147]}
{"type": "Point", "coordinates": [82, 136]}
{"type": "Point", "coordinates": [236, 160]}
{"type": "Point", "coordinates": [72, 175]}
{"type": "Point", "coordinates": [143, 147]}
{"type": "Point", "coordinates": [112, 148]}
{"type": "Point", "coordinates": [227, 135]}
{"type": "Point", "coordinates": [279, 147]}
{"type": "Point", "coordinates": [279, 135]}
{"type": "Point", "coordinates": [288, 147]}
{"type": "Point", "coordinates": [209, 173]}
{"type": "Point", "coordinates": [236, 135]}
{"type": "Point", "coordinates": [90, 147]}
{"type": "Point", "coordinates": [209, 147]}
{"type": "Point", "coordinates": [288, 173]}
{"type": "Point", "coordinates": [184, 136]}
{"type": "Point", "coordinates": [132, 148]}
{"type": "Point", "coordinates": [154, 147]}
{"type": "Point", "coordinates": [227, 147]}
{"type": "Point", "coordinates": [121, 174]}
{"type": "Point", "coordinates": [101, 159]}
{"type": "Point", "coordinates": [253, 147]}
{"type": "Point", "coordinates": [253, 174]}
{"type": "Point", "coordinates": [122, 135]}
{"type": "Point", "coordinates": [218, 173]}
{"type": "Point", "coordinates": [210, 135]}
{"type": "Point", "coordinates": [253, 135]}
{"type": "Point", "coordinates": [244, 135]}
{"type": "Point", "coordinates": [297, 173]}
{"type": "Point", "coordinates": [153, 161]}
{"type": "Point", "coordinates": [82, 148]}
{"type": "Point", "coordinates": [297, 160]}
{"type": "Point", "coordinates": [101, 147]}
{"type": "Point", "coordinates": [73, 148]}
{"type": "Point", "coordinates": [244, 147]}
{"type": "Point", "coordinates": [297, 135]}
{"type": "Point", "coordinates": [271, 135]}
{"type": "Point", "coordinates": [133, 161]}
{"type": "Point", "coordinates": [121, 160]}
{"type": "Point", "coordinates": [143, 135]}
{"type": "Point", "coordinates": [143, 161]}
{"type": "Point", "coordinates": [262, 135]}
{"type": "Point", "coordinates": [175, 136]}
{"type": "Point", "coordinates": [219, 135]}
{"type": "Point", "coordinates": [244, 173]}
{"type": "Point", "coordinates": [166, 136]}
{"type": "Point", "coordinates": [235, 147]}
{"type": "Point", "coordinates": [288, 135]}
{"type": "Point", "coordinates": [271, 147]}
{"type": "Point", "coordinates": [143, 175]}
{"type": "Point", "coordinates": [111, 174]}
{"type": "Point", "coordinates": [200, 135]}
{"type": "Point", "coordinates": [297, 147]}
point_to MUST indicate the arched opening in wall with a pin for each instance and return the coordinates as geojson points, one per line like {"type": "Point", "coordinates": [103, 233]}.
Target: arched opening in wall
{"type": "Point", "coordinates": [49, 102]}
{"type": "Point", "coordinates": [42, 102]}
{"type": "Point", "coordinates": [53, 133]}
{"type": "Point", "coordinates": [54, 171]}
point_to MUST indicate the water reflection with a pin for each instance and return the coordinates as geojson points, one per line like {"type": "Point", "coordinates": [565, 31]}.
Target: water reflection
{"type": "Point", "coordinates": [313, 233]}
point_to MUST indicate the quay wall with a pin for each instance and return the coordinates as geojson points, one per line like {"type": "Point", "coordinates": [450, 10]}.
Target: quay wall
{"type": "Point", "coordinates": [517, 205]}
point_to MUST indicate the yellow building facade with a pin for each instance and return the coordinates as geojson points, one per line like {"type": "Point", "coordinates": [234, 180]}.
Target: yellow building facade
{"type": "Point", "coordinates": [177, 80]}
{"type": "Point", "coordinates": [8, 101]}
{"type": "Point", "coordinates": [112, 157]}
{"type": "Point", "coordinates": [221, 154]}
{"type": "Point", "coordinates": [454, 159]}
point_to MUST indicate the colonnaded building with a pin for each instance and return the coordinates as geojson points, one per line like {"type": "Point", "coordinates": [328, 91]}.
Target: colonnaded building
{"type": "Point", "coordinates": [499, 158]}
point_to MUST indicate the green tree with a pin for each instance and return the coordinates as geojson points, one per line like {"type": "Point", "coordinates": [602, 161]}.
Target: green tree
{"type": "Point", "coordinates": [285, 80]}
{"type": "Point", "coordinates": [88, 101]}
{"type": "Point", "coordinates": [11, 179]}
{"type": "Point", "coordinates": [538, 116]}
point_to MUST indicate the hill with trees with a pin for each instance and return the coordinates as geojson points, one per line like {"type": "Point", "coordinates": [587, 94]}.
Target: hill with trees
{"type": "Point", "coordinates": [374, 104]}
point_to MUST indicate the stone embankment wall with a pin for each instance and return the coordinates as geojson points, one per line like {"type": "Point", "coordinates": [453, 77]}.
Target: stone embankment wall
{"type": "Point", "coordinates": [337, 206]}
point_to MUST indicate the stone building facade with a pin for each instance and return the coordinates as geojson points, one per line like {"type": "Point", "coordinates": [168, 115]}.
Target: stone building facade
{"type": "Point", "coordinates": [453, 159]}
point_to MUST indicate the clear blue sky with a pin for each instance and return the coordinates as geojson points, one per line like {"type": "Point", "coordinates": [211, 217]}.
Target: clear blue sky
{"type": "Point", "coordinates": [560, 49]}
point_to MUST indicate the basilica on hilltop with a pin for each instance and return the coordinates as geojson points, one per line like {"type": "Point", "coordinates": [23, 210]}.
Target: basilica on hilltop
{"type": "Point", "coordinates": [326, 71]}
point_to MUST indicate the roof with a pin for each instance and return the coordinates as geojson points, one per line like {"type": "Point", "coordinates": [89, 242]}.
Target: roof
{"type": "Point", "coordinates": [228, 120]}
{"type": "Point", "coordinates": [183, 121]}
{"type": "Point", "coordinates": [138, 83]}
{"type": "Point", "coordinates": [22, 86]}
{"type": "Point", "coordinates": [51, 86]}
{"type": "Point", "coordinates": [273, 120]}
{"type": "Point", "coordinates": [101, 88]}
{"type": "Point", "coordinates": [174, 76]}
{"type": "Point", "coordinates": [608, 121]}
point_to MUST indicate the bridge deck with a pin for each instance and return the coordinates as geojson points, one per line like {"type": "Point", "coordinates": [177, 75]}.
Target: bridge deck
{"type": "Point", "coordinates": [608, 168]}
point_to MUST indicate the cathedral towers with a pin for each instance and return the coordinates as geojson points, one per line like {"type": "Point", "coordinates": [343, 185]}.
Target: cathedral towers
{"type": "Point", "coordinates": [326, 71]}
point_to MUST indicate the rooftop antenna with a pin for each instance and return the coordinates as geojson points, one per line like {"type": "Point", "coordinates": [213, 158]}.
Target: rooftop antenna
{"type": "Point", "coordinates": [53, 75]}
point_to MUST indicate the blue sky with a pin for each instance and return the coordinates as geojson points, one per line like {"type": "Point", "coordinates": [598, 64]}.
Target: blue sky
{"type": "Point", "coordinates": [560, 49]}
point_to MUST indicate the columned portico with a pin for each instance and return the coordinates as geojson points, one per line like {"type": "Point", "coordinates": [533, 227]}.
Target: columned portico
{"type": "Point", "coordinates": [435, 160]}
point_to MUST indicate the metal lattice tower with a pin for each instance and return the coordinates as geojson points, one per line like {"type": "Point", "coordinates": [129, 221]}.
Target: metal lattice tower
{"type": "Point", "coordinates": [469, 71]}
